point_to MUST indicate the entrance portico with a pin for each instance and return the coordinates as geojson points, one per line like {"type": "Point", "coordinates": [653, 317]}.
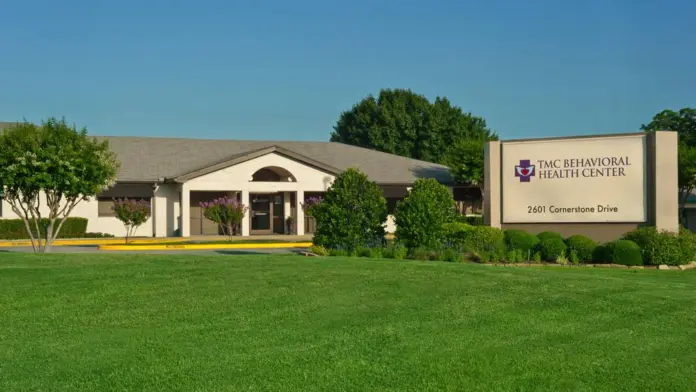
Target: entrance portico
{"type": "Point", "coordinates": [272, 186]}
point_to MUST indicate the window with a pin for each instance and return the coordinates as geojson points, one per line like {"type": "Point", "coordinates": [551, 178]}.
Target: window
{"type": "Point", "coordinates": [105, 205]}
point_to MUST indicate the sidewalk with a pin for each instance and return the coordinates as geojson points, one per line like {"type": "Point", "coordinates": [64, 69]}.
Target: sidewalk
{"type": "Point", "coordinates": [160, 240]}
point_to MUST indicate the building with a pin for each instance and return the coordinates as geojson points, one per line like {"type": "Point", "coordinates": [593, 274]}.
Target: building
{"type": "Point", "coordinates": [272, 178]}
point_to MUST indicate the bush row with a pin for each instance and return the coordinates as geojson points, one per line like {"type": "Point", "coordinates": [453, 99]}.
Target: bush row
{"type": "Point", "coordinates": [486, 244]}
{"type": "Point", "coordinates": [14, 229]}
{"type": "Point", "coordinates": [350, 221]}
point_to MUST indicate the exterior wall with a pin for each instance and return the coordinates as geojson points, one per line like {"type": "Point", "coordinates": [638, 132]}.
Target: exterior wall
{"type": "Point", "coordinates": [95, 223]}
{"type": "Point", "coordinates": [238, 177]}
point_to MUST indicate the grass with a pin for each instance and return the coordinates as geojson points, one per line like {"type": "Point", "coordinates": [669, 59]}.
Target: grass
{"type": "Point", "coordinates": [269, 323]}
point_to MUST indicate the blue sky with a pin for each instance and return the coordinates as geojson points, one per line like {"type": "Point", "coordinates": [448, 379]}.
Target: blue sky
{"type": "Point", "coordinates": [286, 69]}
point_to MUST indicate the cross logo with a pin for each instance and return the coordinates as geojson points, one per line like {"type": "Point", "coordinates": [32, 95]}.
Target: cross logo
{"type": "Point", "coordinates": [525, 170]}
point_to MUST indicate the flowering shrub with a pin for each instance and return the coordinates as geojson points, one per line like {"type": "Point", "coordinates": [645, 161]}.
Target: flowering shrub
{"type": "Point", "coordinates": [309, 204]}
{"type": "Point", "coordinates": [133, 213]}
{"type": "Point", "coordinates": [226, 212]}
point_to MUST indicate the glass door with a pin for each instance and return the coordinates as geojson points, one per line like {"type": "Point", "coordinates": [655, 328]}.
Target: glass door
{"type": "Point", "coordinates": [261, 214]}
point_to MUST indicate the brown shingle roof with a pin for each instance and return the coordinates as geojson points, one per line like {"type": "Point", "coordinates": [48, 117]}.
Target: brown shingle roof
{"type": "Point", "coordinates": [150, 159]}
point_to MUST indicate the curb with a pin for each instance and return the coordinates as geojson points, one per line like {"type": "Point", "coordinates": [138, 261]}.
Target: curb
{"type": "Point", "coordinates": [279, 245]}
{"type": "Point", "coordinates": [93, 241]}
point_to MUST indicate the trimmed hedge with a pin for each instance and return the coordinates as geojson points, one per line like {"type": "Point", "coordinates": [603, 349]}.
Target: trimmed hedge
{"type": "Point", "coordinates": [14, 229]}
{"type": "Point", "coordinates": [485, 239]}
{"type": "Point", "coordinates": [627, 253]}
{"type": "Point", "coordinates": [551, 245]}
{"type": "Point", "coordinates": [584, 247]}
{"type": "Point", "coordinates": [520, 240]}
{"type": "Point", "coordinates": [661, 247]}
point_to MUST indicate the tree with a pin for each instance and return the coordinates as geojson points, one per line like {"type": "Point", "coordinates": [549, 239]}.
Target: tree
{"type": "Point", "coordinates": [684, 123]}
{"type": "Point", "coordinates": [466, 162]}
{"type": "Point", "coordinates": [404, 123]}
{"type": "Point", "coordinates": [352, 213]}
{"type": "Point", "coordinates": [132, 213]}
{"type": "Point", "coordinates": [421, 217]}
{"type": "Point", "coordinates": [686, 175]}
{"type": "Point", "coordinates": [47, 170]}
{"type": "Point", "coordinates": [226, 212]}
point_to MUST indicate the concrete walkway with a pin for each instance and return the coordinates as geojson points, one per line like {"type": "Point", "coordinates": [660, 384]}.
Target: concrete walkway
{"type": "Point", "coordinates": [95, 250]}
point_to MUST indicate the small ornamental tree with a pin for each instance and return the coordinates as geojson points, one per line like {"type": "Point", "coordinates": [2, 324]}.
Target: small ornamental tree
{"type": "Point", "coordinates": [421, 217]}
{"type": "Point", "coordinates": [309, 204]}
{"type": "Point", "coordinates": [351, 215]}
{"type": "Point", "coordinates": [226, 212]}
{"type": "Point", "coordinates": [47, 170]}
{"type": "Point", "coordinates": [132, 213]}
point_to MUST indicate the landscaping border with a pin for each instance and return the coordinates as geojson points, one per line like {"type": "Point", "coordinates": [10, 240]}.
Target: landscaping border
{"type": "Point", "coordinates": [267, 245]}
{"type": "Point", "coordinates": [662, 267]}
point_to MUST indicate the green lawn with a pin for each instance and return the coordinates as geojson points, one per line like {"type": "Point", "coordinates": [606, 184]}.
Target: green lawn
{"type": "Point", "coordinates": [268, 323]}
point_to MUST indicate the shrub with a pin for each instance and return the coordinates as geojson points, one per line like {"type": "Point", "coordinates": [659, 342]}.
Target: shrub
{"type": "Point", "coordinates": [582, 246]}
{"type": "Point", "coordinates": [376, 253]}
{"type": "Point", "coordinates": [338, 253]}
{"type": "Point", "coordinates": [352, 213]}
{"type": "Point", "coordinates": [551, 245]}
{"type": "Point", "coordinates": [562, 259]}
{"type": "Point", "coordinates": [451, 255]}
{"type": "Point", "coordinates": [395, 251]}
{"type": "Point", "coordinates": [511, 256]}
{"type": "Point", "coordinates": [661, 247]}
{"type": "Point", "coordinates": [456, 234]}
{"type": "Point", "coordinates": [226, 212]}
{"type": "Point", "coordinates": [318, 250]}
{"type": "Point", "coordinates": [520, 239]}
{"type": "Point", "coordinates": [363, 251]}
{"type": "Point", "coordinates": [425, 254]}
{"type": "Point", "coordinates": [573, 257]}
{"type": "Point", "coordinates": [485, 239]}
{"type": "Point", "coordinates": [627, 253]}
{"type": "Point", "coordinates": [421, 217]}
{"type": "Point", "coordinates": [14, 229]}
{"type": "Point", "coordinates": [132, 213]}
{"type": "Point", "coordinates": [536, 257]}
{"type": "Point", "coordinates": [603, 253]}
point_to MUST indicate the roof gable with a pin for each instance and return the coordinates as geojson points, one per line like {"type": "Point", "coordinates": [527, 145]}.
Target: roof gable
{"type": "Point", "coordinates": [239, 158]}
{"type": "Point", "coordinates": [149, 159]}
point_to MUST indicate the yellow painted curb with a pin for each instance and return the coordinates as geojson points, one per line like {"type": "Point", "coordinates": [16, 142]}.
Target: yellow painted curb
{"type": "Point", "coordinates": [93, 241]}
{"type": "Point", "coordinates": [278, 245]}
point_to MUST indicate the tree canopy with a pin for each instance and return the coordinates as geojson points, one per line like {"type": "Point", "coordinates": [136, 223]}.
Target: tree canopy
{"type": "Point", "coordinates": [47, 169]}
{"type": "Point", "coordinates": [401, 122]}
{"type": "Point", "coordinates": [683, 122]}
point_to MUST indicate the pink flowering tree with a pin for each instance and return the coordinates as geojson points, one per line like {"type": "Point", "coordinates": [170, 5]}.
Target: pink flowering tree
{"type": "Point", "coordinates": [309, 204]}
{"type": "Point", "coordinates": [132, 213]}
{"type": "Point", "coordinates": [226, 212]}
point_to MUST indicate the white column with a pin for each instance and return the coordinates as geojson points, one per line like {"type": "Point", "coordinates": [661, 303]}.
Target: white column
{"type": "Point", "coordinates": [185, 210]}
{"type": "Point", "coordinates": [153, 212]}
{"type": "Point", "coordinates": [492, 185]}
{"type": "Point", "coordinates": [287, 208]}
{"type": "Point", "coordinates": [300, 213]}
{"type": "Point", "coordinates": [246, 220]}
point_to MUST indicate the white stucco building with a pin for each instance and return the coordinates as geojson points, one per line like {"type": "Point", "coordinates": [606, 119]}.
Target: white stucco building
{"type": "Point", "coordinates": [271, 178]}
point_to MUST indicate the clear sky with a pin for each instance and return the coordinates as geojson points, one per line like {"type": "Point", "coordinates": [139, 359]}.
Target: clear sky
{"type": "Point", "coordinates": [277, 69]}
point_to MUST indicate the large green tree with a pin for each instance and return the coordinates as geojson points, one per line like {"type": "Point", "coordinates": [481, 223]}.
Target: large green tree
{"type": "Point", "coordinates": [401, 122]}
{"type": "Point", "coordinates": [683, 122]}
{"type": "Point", "coordinates": [352, 213]}
{"type": "Point", "coordinates": [47, 170]}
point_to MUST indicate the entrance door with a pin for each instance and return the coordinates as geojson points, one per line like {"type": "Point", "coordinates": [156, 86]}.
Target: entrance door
{"type": "Point", "coordinates": [278, 214]}
{"type": "Point", "coordinates": [261, 214]}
